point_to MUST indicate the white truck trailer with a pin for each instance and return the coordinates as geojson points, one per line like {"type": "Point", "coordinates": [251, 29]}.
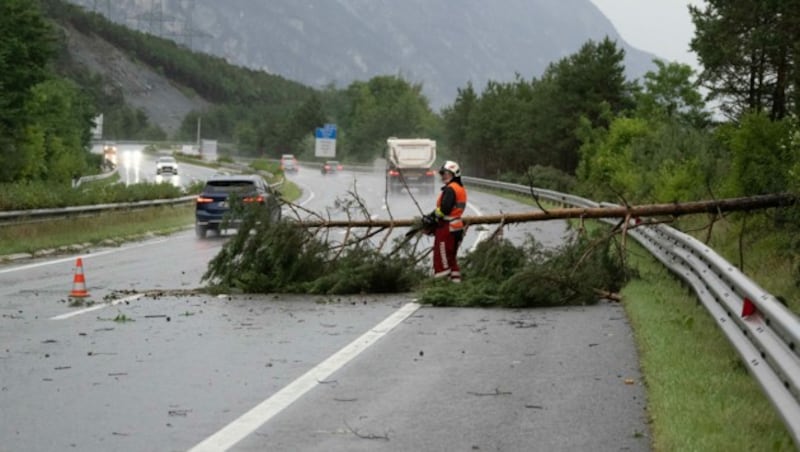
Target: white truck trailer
{"type": "Point", "coordinates": [410, 164]}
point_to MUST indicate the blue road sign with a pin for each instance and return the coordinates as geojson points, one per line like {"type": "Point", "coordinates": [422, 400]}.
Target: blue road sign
{"type": "Point", "coordinates": [328, 131]}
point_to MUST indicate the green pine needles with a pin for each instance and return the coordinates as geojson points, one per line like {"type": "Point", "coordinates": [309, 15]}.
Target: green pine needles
{"type": "Point", "coordinates": [284, 257]}
{"type": "Point", "coordinates": [498, 273]}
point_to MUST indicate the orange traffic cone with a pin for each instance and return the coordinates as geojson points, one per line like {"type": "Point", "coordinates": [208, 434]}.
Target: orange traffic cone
{"type": "Point", "coordinates": [78, 282]}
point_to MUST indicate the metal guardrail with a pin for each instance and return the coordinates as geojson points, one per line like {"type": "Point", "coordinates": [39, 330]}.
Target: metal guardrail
{"type": "Point", "coordinates": [26, 216]}
{"type": "Point", "coordinates": [95, 177]}
{"type": "Point", "coordinates": [767, 340]}
{"type": "Point", "coordinates": [347, 166]}
{"type": "Point", "coordinates": [36, 215]}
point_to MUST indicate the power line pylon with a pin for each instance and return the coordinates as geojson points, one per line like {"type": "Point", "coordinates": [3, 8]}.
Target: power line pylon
{"type": "Point", "coordinates": [188, 32]}
{"type": "Point", "coordinates": [107, 8]}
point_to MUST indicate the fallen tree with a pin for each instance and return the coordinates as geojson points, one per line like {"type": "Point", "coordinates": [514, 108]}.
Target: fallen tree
{"type": "Point", "coordinates": [673, 210]}
{"type": "Point", "coordinates": [300, 256]}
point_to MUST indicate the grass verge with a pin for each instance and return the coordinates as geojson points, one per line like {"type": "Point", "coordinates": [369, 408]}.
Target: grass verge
{"type": "Point", "coordinates": [117, 226]}
{"type": "Point", "coordinates": [290, 191]}
{"type": "Point", "coordinates": [700, 395]}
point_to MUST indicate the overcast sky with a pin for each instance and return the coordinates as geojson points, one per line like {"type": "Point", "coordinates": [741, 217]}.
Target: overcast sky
{"type": "Point", "coordinates": [661, 27]}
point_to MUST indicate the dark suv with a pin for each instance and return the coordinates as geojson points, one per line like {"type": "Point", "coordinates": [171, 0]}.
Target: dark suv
{"type": "Point", "coordinates": [214, 202]}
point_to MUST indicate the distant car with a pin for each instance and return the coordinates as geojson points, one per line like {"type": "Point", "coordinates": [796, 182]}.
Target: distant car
{"type": "Point", "coordinates": [289, 163]}
{"type": "Point", "coordinates": [214, 203]}
{"type": "Point", "coordinates": [166, 165]}
{"type": "Point", "coordinates": [331, 166]}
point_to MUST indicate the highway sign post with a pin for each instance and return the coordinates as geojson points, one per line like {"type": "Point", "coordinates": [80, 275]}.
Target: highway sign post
{"type": "Point", "coordinates": [325, 143]}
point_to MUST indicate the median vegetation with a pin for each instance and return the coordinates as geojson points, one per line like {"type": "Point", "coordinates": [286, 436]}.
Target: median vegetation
{"type": "Point", "coordinates": [42, 195]}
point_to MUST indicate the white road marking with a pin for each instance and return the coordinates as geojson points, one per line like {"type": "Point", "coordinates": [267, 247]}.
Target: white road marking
{"type": "Point", "coordinates": [96, 307]}
{"type": "Point", "coordinates": [84, 256]}
{"type": "Point", "coordinates": [249, 422]}
{"type": "Point", "coordinates": [310, 194]}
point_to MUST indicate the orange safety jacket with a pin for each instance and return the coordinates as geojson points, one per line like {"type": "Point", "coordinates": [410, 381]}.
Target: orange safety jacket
{"type": "Point", "coordinates": [457, 210]}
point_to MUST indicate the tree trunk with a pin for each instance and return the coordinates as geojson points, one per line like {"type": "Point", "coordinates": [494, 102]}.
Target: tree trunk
{"type": "Point", "coordinates": [635, 212]}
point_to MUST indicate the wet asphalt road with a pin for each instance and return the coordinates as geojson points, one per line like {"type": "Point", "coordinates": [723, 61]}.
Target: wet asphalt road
{"type": "Point", "coordinates": [176, 371]}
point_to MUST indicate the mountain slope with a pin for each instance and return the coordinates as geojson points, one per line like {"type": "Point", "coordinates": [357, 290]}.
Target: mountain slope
{"type": "Point", "coordinates": [164, 102]}
{"type": "Point", "coordinates": [441, 44]}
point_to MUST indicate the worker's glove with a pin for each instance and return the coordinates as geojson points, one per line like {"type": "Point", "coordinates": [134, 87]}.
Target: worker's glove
{"type": "Point", "coordinates": [429, 221]}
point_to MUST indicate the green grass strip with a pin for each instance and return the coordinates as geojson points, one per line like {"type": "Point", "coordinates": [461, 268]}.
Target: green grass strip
{"type": "Point", "coordinates": [117, 226]}
{"type": "Point", "coordinates": [700, 395]}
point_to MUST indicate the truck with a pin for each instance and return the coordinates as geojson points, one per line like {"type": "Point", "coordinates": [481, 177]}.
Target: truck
{"type": "Point", "coordinates": [109, 156]}
{"type": "Point", "coordinates": [409, 163]}
{"type": "Point", "coordinates": [208, 150]}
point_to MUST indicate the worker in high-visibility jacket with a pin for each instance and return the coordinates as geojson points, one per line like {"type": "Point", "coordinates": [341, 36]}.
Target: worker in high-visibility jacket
{"type": "Point", "coordinates": [447, 224]}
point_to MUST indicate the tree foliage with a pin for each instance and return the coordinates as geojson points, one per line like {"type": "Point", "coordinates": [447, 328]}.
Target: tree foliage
{"type": "Point", "coordinates": [26, 46]}
{"type": "Point", "coordinates": [456, 122]}
{"type": "Point", "coordinates": [525, 123]}
{"type": "Point", "coordinates": [661, 151]}
{"type": "Point", "coordinates": [44, 120]}
{"type": "Point", "coordinates": [749, 49]}
{"type": "Point", "coordinates": [120, 120]}
{"type": "Point", "coordinates": [589, 84]}
{"type": "Point", "coordinates": [380, 108]}
{"type": "Point", "coordinates": [280, 257]}
{"type": "Point", "coordinates": [54, 140]}
{"type": "Point", "coordinates": [762, 155]}
{"type": "Point", "coordinates": [47, 194]}
{"type": "Point", "coordinates": [671, 93]}
{"type": "Point", "coordinates": [499, 273]}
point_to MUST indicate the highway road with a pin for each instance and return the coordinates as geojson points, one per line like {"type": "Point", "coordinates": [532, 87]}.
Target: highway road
{"type": "Point", "coordinates": [172, 371]}
{"type": "Point", "coordinates": [134, 166]}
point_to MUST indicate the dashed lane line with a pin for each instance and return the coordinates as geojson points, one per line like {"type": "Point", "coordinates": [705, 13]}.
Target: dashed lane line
{"type": "Point", "coordinates": [96, 307]}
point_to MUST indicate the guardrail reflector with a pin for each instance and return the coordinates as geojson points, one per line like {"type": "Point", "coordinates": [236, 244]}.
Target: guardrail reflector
{"type": "Point", "coordinates": [748, 308]}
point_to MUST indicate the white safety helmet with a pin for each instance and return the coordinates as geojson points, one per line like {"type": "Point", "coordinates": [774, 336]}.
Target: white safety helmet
{"type": "Point", "coordinates": [452, 167]}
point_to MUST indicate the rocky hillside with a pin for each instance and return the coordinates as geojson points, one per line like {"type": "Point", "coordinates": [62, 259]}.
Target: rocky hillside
{"type": "Point", "coordinates": [165, 103]}
{"type": "Point", "coordinates": [442, 44]}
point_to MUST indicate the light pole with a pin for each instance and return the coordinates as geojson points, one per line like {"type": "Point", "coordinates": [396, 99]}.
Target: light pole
{"type": "Point", "coordinates": [199, 125]}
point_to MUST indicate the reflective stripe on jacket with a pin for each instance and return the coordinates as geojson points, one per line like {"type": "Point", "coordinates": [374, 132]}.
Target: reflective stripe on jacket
{"type": "Point", "coordinates": [452, 213]}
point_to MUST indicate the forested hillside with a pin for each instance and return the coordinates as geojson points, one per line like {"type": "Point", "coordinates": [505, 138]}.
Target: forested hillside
{"type": "Point", "coordinates": [209, 78]}
{"type": "Point", "coordinates": [439, 43]}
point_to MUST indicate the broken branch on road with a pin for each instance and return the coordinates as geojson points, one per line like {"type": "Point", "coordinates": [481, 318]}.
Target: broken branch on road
{"type": "Point", "coordinates": [497, 392]}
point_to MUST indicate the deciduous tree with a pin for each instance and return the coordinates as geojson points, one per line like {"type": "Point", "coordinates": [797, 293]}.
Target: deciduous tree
{"type": "Point", "coordinates": [25, 48]}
